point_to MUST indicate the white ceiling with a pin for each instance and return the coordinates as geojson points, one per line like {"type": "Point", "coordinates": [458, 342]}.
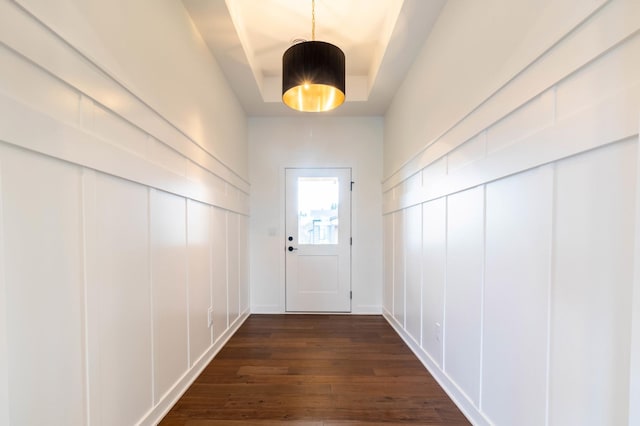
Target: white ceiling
{"type": "Point", "coordinates": [380, 39]}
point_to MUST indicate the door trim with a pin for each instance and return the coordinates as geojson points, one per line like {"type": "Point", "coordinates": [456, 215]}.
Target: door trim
{"type": "Point", "coordinates": [348, 184]}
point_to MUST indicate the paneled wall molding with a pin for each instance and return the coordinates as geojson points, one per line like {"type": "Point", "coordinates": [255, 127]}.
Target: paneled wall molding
{"type": "Point", "coordinates": [33, 130]}
{"type": "Point", "coordinates": [634, 376]}
{"type": "Point", "coordinates": [4, 361]}
{"type": "Point", "coordinates": [580, 42]}
{"type": "Point", "coordinates": [55, 56]}
{"type": "Point", "coordinates": [139, 289]}
{"type": "Point", "coordinates": [91, 318]}
{"type": "Point", "coordinates": [540, 268]}
{"type": "Point", "coordinates": [611, 120]}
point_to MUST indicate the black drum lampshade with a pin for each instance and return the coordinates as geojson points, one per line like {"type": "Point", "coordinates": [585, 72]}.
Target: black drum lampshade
{"type": "Point", "coordinates": [313, 76]}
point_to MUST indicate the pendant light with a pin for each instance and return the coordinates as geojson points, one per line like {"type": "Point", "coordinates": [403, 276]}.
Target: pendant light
{"type": "Point", "coordinates": [313, 74]}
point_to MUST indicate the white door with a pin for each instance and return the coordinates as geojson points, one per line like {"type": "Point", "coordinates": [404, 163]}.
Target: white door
{"type": "Point", "coordinates": [318, 240]}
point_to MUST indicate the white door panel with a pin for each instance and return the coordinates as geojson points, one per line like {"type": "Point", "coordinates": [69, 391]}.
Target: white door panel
{"type": "Point", "coordinates": [318, 240]}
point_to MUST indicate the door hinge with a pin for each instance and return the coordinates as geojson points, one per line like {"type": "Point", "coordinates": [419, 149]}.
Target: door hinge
{"type": "Point", "coordinates": [352, 182]}
{"type": "Point", "coordinates": [351, 295]}
{"type": "Point", "coordinates": [351, 241]}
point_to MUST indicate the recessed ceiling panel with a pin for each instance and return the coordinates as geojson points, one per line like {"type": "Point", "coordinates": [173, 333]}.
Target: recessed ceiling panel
{"type": "Point", "coordinates": [248, 38]}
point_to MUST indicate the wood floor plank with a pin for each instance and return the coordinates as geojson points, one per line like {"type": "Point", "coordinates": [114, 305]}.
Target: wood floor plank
{"type": "Point", "coordinates": [308, 370]}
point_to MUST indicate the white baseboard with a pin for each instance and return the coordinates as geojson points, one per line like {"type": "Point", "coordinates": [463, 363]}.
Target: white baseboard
{"type": "Point", "coordinates": [357, 310]}
{"type": "Point", "coordinates": [367, 310]}
{"type": "Point", "coordinates": [267, 309]}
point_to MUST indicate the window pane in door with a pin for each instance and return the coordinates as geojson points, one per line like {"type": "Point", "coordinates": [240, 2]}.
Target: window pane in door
{"type": "Point", "coordinates": [318, 210]}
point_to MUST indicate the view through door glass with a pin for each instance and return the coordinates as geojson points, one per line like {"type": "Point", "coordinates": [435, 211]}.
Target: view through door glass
{"type": "Point", "coordinates": [318, 201]}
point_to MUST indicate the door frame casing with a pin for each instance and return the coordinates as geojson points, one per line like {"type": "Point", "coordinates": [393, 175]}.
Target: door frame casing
{"type": "Point", "coordinates": [283, 220]}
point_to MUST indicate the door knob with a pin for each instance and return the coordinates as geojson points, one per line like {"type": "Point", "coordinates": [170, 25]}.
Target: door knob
{"type": "Point", "coordinates": [292, 248]}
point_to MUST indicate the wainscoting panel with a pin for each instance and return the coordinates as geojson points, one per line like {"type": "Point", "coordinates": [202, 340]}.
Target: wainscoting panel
{"type": "Point", "coordinates": [518, 234]}
{"type": "Point", "coordinates": [42, 230]}
{"type": "Point", "coordinates": [464, 289]}
{"type": "Point", "coordinates": [413, 241]}
{"type": "Point", "coordinates": [169, 290]}
{"type": "Point", "coordinates": [592, 286]}
{"type": "Point", "coordinates": [434, 264]}
{"type": "Point", "coordinates": [233, 266]}
{"type": "Point", "coordinates": [219, 266]}
{"type": "Point", "coordinates": [243, 263]}
{"type": "Point", "coordinates": [118, 299]}
{"type": "Point", "coordinates": [387, 296]}
{"type": "Point", "coordinates": [399, 267]}
{"type": "Point", "coordinates": [199, 278]}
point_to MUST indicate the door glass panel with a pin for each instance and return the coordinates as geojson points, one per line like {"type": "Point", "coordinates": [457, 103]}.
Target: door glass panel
{"type": "Point", "coordinates": [318, 210]}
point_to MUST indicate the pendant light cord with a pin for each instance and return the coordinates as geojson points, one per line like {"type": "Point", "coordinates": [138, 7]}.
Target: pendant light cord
{"type": "Point", "coordinates": [313, 20]}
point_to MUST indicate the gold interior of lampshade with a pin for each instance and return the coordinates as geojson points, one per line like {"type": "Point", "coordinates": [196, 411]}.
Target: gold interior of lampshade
{"type": "Point", "coordinates": [313, 97]}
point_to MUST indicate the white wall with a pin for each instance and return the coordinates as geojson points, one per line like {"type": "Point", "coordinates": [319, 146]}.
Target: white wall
{"type": "Point", "coordinates": [277, 143]}
{"type": "Point", "coordinates": [124, 203]}
{"type": "Point", "coordinates": [512, 150]}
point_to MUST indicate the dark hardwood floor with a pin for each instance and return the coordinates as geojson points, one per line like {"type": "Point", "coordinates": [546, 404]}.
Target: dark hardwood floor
{"type": "Point", "coordinates": [314, 370]}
